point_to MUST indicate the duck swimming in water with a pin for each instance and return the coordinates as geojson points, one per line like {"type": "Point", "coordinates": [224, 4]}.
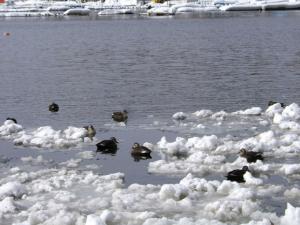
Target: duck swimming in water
{"type": "Point", "coordinates": [53, 107]}
{"type": "Point", "coordinates": [251, 156]}
{"type": "Point", "coordinates": [139, 152]}
{"type": "Point", "coordinates": [120, 116]}
{"type": "Point", "coordinates": [237, 175]}
{"type": "Point", "coordinates": [138, 149]}
{"type": "Point", "coordinates": [107, 146]}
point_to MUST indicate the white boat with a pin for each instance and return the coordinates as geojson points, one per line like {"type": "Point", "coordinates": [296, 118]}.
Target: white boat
{"type": "Point", "coordinates": [262, 5]}
{"type": "Point", "coordinates": [26, 14]}
{"type": "Point", "coordinates": [191, 8]}
{"type": "Point", "coordinates": [116, 12]}
{"type": "Point", "coordinates": [77, 12]}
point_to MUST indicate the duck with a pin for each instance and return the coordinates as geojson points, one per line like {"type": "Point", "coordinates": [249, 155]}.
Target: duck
{"type": "Point", "coordinates": [237, 175]}
{"type": "Point", "coordinates": [251, 156]}
{"type": "Point", "coordinates": [120, 116]}
{"type": "Point", "coordinates": [12, 119]}
{"type": "Point", "coordinates": [107, 145]}
{"type": "Point", "coordinates": [53, 107]}
{"type": "Point", "coordinates": [91, 131]}
{"type": "Point", "coordinates": [138, 149]}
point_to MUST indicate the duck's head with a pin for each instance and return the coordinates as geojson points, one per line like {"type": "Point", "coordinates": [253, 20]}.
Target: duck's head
{"type": "Point", "coordinates": [136, 145]}
{"type": "Point", "coordinates": [245, 168]}
{"type": "Point", "coordinates": [243, 152]}
{"type": "Point", "coordinates": [114, 139]}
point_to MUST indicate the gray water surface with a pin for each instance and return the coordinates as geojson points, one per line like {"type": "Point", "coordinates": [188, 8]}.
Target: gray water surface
{"type": "Point", "coordinates": [153, 67]}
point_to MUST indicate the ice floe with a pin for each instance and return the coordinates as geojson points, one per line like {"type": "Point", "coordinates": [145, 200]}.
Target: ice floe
{"type": "Point", "coordinates": [71, 192]}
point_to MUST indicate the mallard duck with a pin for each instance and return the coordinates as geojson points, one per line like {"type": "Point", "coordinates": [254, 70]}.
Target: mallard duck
{"type": "Point", "coordinates": [251, 156]}
{"type": "Point", "coordinates": [138, 149]}
{"type": "Point", "coordinates": [107, 145]}
{"type": "Point", "coordinates": [53, 107]}
{"type": "Point", "coordinates": [237, 175]}
{"type": "Point", "coordinates": [120, 116]}
{"type": "Point", "coordinates": [12, 119]}
{"type": "Point", "coordinates": [91, 131]}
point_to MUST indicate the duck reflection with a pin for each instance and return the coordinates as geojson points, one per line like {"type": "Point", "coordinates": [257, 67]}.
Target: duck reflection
{"type": "Point", "coordinates": [137, 158]}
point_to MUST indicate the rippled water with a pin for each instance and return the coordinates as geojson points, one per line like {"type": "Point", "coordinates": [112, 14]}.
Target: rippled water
{"type": "Point", "coordinates": [153, 67]}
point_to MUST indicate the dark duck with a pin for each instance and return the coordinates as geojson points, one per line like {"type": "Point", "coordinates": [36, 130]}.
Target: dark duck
{"type": "Point", "coordinates": [139, 152]}
{"type": "Point", "coordinates": [251, 156]}
{"type": "Point", "coordinates": [12, 119]}
{"type": "Point", "coordinates": [107, 146]}
{"type": "Point", "coordinates": [237, 175]}
{"type": "Point", "coordinates": [53, 107]}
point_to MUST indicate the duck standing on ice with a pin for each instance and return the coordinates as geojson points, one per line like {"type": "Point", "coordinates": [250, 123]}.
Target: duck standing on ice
{"type": "Point", "coordinates": [237, 175]}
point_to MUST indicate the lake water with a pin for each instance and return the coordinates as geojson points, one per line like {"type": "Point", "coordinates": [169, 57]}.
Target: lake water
{"type": "Point", "coordinates": [152, 67]}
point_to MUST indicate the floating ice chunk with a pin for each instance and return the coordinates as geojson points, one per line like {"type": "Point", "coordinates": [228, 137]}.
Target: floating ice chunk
{"type": "Point", "coordinates": [254, 111]}
{"type": "Point", "coordinates": [288, 139]}
{"type": "Point", "coordinates": [252, 180]}
{"type": "Point", "coordinates": [179, 116]}
{"type": "Point", "coordinates": [72, 163]}
{"type": "Point", "coordinates": [263, 222]}
{"type": "Point", "coordinates": [14, 189]}
{"type": "Point", "coordinates": [290, 125]}
{"type": "Point", "coordinates": [75, 132]}
{"type": "Point", "coordinates": [35, 161]}
{"type": "Point", "coordinates": [294, 193]}
{"type": "Point", "coordinates": [64, 196]}
{"type": "Point", "coordinates": [290, 169]}
{"type": "Point", "coordinates": [201, 157]}
{"type": "Point", "coordinates": [200, 185]}
{"type": "Point", "coordinates": [206, 143]}
{"type": "Point", "coordinates": [291, 112]}
{"type": "Point", "coordinates": [86, 155]}
{"type": "Point", "coordinates": [173, 148]}
{"type": "Point", "coordinates": [219, 115]}
{"type": "Point", "coordinates": [47, 137]}
{"type": "Point", "coordinates": [291, 216]}
{"type": "Point", "coordinates": [200, 126]}
{"type": "Point", "coordinates": [94, 220]}
{"type": "Point", "coordinates": [176, 192]}
{"type": "Point", "coordinates": [107, 217]}
{"type": "Point", "coordinates": [7, 206]}
{"type": "Point", "coordinates": [9, 127]}
{"type": "Point", "coordinates": [274, 109]}
{"type": "Point", "coordinates": [230, 210]}
{"type": "Point", "coordinates": [203, 113]}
